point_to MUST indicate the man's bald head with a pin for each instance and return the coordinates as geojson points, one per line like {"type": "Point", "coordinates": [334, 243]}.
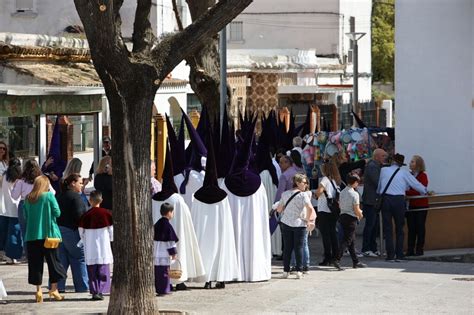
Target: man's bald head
{"type": "Point", "coordinates": [380, 155]}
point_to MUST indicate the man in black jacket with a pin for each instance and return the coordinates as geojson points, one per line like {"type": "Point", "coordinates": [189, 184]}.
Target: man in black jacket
{"type": "Point", "coordinates": [371, 180]}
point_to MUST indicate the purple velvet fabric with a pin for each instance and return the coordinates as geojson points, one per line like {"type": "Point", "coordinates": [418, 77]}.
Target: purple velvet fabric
{"type": "Point", "coordinates": [177, 149]}
{"type": "Point", "coordinates": [168, 187]}
{"type": "Point", "coordinates": [162, 280]}
{"type": "Point", "coordinates": [241, 181]}
{"type": "Point", "coordinates": [196, 150]}
{"type": "Point", "coordinates": [210, 192]}
{"type": "Point", "coordinates": [163, 231]}
{"type": "Point", "coordinates": [99, 278]}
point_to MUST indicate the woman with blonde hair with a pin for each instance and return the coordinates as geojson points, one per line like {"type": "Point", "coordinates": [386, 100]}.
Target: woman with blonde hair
{"type": "Point", "coordinates": [416, 219]}
{"type": "Point", "coordinates": [103, 181]}
{"type": "Point", "coordinates": [41, 210]}
{"type": "Point", "coordinates": [328, 189]}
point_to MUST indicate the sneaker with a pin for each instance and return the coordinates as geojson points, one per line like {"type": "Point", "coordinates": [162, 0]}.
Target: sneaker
{"type": "Point", "coordinates": [292, 270]}
{"type": "Point", "coordinates": [359, 255]}
{"type": "Point", "coordinates": [299, 275]}
{"type": "Point", "coordinates": [346, 253]}
{"type": "Point", "coordinates": [359, 265]}
{"type": "Point", "coordinates": [285, 275]}
{"type": "Point", "coordinates": [370, 253]}
{"type": "Point", "coordinates": [377, 253]}
{"type": "Point", "coordinates": [336, 265]}
{"type": "Point", "coordinates": [305, 270]}
{"type": "Point", "coordinates": [97, 297]}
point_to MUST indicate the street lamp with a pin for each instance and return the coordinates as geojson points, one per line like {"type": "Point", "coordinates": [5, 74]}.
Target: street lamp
{"type": "Point", "coordinates": [355, 36]}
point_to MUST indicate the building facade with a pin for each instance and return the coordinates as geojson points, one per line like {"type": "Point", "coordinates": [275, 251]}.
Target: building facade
{"type": "Point", "coordinates": [303, 50]}
{"type": "Point", "coordinates": [435, 108]}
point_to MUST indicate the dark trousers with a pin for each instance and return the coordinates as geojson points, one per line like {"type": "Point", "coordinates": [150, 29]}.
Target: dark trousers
{"type": "Point", "coordinates": [36, 255]}
{"type": "Point", "coordinates": [162, 280]}
{"type": "Point", "coordinates": [370, 235]}
{"type": "Point", "coordinates": [327, 227]}
{"type": "Point", "coordinates": [349, 224]}
{"type": "Point", "coordinates": [293, 239]}
{"type": "Point", "coordinates": [416, 229]}
{"type": "Point", "coordinates": [393, 208]}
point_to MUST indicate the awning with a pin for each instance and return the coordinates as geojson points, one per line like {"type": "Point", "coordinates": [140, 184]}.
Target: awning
{"type": "Point", "coordinates": [30, 105]}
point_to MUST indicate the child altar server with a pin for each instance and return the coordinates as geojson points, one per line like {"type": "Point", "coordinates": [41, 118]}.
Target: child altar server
{"type": "Point", "coordinates": [96, 231]}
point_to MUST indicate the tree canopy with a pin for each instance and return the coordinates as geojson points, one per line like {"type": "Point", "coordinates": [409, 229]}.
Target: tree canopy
{"type": "Point", "coordinates": [383, 40]}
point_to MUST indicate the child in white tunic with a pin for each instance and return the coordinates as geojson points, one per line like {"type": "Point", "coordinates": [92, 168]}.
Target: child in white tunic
{"type": "Point", "coordinates": [96, 231]}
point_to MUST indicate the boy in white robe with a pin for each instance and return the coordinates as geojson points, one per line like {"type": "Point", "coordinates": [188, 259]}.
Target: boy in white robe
{"type": "Point", "coordinates": [96, 231]}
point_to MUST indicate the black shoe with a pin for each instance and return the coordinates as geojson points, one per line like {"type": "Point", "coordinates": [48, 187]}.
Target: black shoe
{"type": "Point", "coordinates": [336, 265]}
{"type": "Point", "coordinates": [419, 252]}
{"type": "Point", "coordinates": [171, 287]}
{"type": "Point", "coordinates": [279, 257]}
{"type": "Point", "coordinates": [97, 297]}
{"type": "Point", "coordinates": [325, 263]}
{"type": "Point", "coordinates": [292, 270]}
{"type": "Point", "coordinates": [207, 285]}
{"type": "Point", "coordinates": [220, 285]}
{"type": "Point", "coordinates": [359, 265]}
{"type": "Point", "coordinates": [181, 287]}
{"type": "Point", "coordinates": [410, 253]}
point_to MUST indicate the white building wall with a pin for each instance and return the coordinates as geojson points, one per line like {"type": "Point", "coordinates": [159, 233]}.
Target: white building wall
{"type": "Point", "coordinates": [434, 89]}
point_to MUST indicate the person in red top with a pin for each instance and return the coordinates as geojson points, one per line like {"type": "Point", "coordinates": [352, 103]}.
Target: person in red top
{"type": "Point", "coordinates": [416, 219]}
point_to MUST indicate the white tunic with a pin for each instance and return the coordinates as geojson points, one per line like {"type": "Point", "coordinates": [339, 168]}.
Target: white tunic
{"type": "Point", "coordinates": [271, 189]}
{"type": "Point", "coordinates": [215, 235]}
{"type": "Point", "coordinates": [97, 249]}
{"type": "Point", "coordinates": [187, 246]}
{"type": "Point", "coordinates": [161, 256]}
{"type": "Point", "coordinates": [8, 205]}
{"type": "Point", "coordinates": [252, 234]}
{"type": "Point", "coordinates": [195, 181]}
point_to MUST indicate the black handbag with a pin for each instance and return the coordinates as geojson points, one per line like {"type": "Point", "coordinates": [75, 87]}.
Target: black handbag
{"type": "Point", "coordinates": [333, 203]}
{"type": "Point", "coordinates": [379, 200]}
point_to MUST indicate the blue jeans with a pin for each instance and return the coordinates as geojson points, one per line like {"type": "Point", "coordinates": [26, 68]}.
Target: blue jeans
{"type": "Point", "coordinates": [10, 237]}
{"type": "Point", "coordinates": [393, 207]}
{"type": "Point", "coordinates": [293, 238]}
{"type": "Point", "coordinates": [71, 255]}
{"type": "Point", "coordinates": [369, 240]}
{"type": "Point", "coordinates": [21, 219]}
{"type": "Point", "coordinates": [305, 253]}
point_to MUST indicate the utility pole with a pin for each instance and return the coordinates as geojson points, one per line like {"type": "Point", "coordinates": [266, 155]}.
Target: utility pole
{"type": "Point", "coordinates": [355, 36]}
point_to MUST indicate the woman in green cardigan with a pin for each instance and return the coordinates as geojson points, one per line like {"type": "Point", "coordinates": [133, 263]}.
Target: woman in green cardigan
{"type": "Point", "coordinates": [41, 210]}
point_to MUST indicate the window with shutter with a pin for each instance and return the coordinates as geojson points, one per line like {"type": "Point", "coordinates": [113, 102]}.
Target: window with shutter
{"type": "Point", "coordinates": [236, 32]}
{"type": "Point", "coordinates": [25, 5]}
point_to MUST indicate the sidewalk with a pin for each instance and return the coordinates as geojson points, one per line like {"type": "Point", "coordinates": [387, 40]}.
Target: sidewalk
{"type": "Point", "coordinates": [410, 287]}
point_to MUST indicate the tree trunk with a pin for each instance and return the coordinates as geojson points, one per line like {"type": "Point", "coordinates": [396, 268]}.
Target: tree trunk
{"type": "Point", "coordinates": [204, 76]}
{"type": "Point", "coordinates": [133, 239]}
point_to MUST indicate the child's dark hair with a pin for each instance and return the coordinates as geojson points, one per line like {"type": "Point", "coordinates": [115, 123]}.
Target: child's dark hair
{"type": "Point", "coordinates": [95, 196]}
{"type": "Point", "coordinates": [166, 208]}
{"type": "Point", "coordinates": [352, 178]}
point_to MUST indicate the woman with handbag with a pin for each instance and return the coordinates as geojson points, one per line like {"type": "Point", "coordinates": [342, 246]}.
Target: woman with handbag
{"type": "Point", "coordinates": [297, 218]}
{"type": "Point", "coordinates": [70, 254]}
{"type": "Point", "coordinates": [43, 237]}
{"type": "Point", "coordinates": [327, 194]}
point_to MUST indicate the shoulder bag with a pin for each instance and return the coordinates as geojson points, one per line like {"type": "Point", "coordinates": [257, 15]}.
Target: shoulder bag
{"type": "Point", "coordinates": [333, 203]}
{"type": "Point", "coordinates": [51, 242]}
{"type": "Point", "coordinates": [274, 219]}
{"type": "Point", "coordinates": [379, 200]}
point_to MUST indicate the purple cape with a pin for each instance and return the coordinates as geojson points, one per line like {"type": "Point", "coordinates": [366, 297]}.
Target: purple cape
{"type": "Point", "coordinates": [164, 232]}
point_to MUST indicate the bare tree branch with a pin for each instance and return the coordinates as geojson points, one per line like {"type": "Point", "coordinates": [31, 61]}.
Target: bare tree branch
{"type": "Point", "coordinates": [172, 50]}
{"type": "Point", "coordinates": [143, 37]}
{"type": "Point", "coordinates": [178, 17]}
{"type": "Point", "coordinates": [199, 7]}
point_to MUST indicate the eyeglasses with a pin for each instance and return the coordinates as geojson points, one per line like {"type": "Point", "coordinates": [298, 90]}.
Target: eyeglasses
{"type": "Point", "coordinates": [3, 148]}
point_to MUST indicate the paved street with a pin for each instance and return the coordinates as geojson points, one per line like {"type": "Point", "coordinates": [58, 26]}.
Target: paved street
{"type": "Point", "coordinates": [404, 288]}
